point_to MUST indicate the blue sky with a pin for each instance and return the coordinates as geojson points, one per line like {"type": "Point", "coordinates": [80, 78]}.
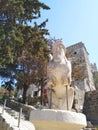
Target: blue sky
{"type": "Point", "coordinates": [74, 21]}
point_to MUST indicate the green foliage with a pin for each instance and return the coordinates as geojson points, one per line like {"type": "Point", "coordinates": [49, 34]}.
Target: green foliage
{"type": "Point", "coordinates": [20, 11]}
{"type": "Point", "coordinates": [14, 15]}
{"type": "Point", "coordinates": [21, 46]}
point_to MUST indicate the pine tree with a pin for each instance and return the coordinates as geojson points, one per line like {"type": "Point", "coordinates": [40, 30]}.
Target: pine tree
{"type": "Point", "coordinates": [23, 49]}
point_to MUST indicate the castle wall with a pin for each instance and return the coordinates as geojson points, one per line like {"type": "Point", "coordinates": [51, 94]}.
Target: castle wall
{"type": "Point", "coordinates": [81, 69]}
{"type": "Point", "coordinates": [90, 108]}
{"type": "Point", "coordinates": [93, 68]}
{"type": "Point", "coordinates": [82, 78]}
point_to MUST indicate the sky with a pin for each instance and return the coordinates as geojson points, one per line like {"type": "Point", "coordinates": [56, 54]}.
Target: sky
{"type": "Point", "coordinates": [74, 21]}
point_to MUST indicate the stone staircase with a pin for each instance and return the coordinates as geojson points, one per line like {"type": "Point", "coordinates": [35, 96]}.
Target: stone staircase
{"type": "Point", "coordinates": [8, 122]}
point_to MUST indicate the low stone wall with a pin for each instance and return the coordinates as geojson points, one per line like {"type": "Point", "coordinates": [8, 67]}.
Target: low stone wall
{"type": "Point", "coordinates": [8, 122]}
{"type": "Point", "coordinates": [16, 106]}
{"type": "Point", "coordinates": [90, 108]}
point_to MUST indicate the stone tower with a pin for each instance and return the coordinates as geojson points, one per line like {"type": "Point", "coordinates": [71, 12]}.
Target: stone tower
{"type": "Point", "coordinates": [93, 68]}
{"type": "Point", "coordinates": [81, 68]}
{"type": "Point", "coordinates": [82, 78]}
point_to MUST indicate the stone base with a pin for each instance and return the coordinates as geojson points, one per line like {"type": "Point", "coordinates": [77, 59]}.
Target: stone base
{"type": "Point", "coordinates": [49, 119]}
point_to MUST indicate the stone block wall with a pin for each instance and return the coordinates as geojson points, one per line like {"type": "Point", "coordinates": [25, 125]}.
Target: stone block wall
{"type": "Point", "coordinates": [93, 68]}
{"type": "Point", "coordinates": [82, 77]}
{"type": "Point", "coordinates": [76, 54]}
{"type": "Point", "coordinates": [16, 106]}
{"type": "Point", "coordinates": [81, 67]}
{"type": "Point", "coordinates": [79, 96]}
{"type": "Point", "coordinates": [90, 108]}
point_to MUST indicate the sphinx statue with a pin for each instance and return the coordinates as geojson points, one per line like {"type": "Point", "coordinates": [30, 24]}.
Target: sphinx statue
{"type": "Point", "coordinates": [60, 94]}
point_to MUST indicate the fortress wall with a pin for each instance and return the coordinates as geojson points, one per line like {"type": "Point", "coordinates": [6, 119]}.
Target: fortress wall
{"type": "Point", "coordinates": [82, 77]}
{"type": "Point", "coordinates": [81, 67]}
{"type": "Point", "coordinates": [90, 108]}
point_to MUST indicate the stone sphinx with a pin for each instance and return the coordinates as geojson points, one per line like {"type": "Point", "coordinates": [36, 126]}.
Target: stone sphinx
{"type": "Point", "coordinates": [60, 94]}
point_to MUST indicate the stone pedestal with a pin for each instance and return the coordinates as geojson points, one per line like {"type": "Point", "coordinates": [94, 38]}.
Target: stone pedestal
{"type": "Point", "coordinates": [49, 119]}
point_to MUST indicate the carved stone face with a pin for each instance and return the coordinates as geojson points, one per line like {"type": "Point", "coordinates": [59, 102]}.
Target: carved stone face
{"type": "Point", "coordinates": [58, 51]}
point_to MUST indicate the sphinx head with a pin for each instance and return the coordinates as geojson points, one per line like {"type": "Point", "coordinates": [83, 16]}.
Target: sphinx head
{"type": "Point", "coordinates": [58, 51]}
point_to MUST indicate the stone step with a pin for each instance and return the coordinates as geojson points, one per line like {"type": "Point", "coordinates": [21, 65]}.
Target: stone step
{"type": "Point", "coordinates": [8, 122]}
